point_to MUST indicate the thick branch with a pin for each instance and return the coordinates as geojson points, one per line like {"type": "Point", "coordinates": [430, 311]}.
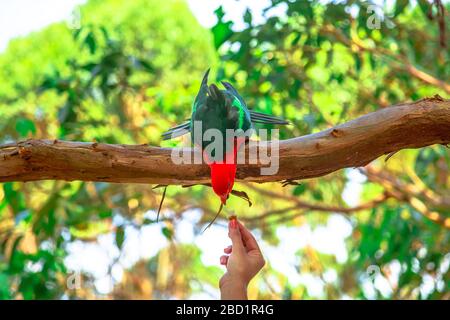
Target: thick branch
{"type": "Point", "coordinates": [352, 144]}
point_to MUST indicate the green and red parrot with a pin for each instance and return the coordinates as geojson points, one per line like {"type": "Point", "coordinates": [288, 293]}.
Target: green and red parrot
{"type": "Point", "coordinates": [221, 110]}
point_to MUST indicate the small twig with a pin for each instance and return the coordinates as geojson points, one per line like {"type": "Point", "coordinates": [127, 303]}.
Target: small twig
{"type": "Point", "coordinates": [217, 214]}
{"type": "Point", "coordinates": [161, 203]}
{"type": "Point", "coordinates": [390, 155]}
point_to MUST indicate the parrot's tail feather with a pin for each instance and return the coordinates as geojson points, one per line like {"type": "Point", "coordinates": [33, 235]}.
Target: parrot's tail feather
{"type": "Point", "coordinates": [182, 125]}
{"type": "Point", "coordinates": [228, 86]}
{"type": "Point", "coordinates": [217, 214]}
{"type": "Point", "coordinates": [265, 121]}
{"type": "Point", "coordinates": [174, 134]}
{"type": "Point", "coordinates": [264, 115]}
{"type": "Point", "coordinates": [259, 117]}
{"type": "Point", "coordinates": [205, 77]}
{"type": "Point", "coordinates": [215, 93]}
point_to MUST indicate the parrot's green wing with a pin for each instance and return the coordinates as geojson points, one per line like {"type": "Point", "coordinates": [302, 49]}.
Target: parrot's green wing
{"type": "Point", "coordinates": [244, 114]}
{"type": "Point", "coordinates": [256, 117]}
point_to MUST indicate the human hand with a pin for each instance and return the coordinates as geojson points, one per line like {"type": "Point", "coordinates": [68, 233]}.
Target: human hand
{"type": "Point", "coordinates": [243, 260]}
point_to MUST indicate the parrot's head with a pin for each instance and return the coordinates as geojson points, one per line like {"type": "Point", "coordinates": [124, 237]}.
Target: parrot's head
{"type": "Point", "coordinates": [224, 198]}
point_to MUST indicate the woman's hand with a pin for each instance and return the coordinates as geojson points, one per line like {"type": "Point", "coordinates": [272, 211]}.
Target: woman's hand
{"type": "Point", "coordinates": [243, 260]}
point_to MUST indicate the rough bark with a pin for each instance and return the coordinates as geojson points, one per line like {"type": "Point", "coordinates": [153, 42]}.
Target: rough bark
{"type": "Point", "coordinates": [352, 144]}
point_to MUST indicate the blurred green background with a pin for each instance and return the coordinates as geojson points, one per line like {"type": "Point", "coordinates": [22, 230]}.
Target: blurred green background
{"type": "Point", "coordinates": [124, 71]}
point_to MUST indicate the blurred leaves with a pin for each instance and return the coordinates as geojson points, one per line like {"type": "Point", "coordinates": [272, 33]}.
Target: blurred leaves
{"type": "Point", "coordinates": [222, 30]}
{"type": "Point", "coordinates": [131, 71]}
{"type": "Point", "coordinates": [108, 81]}
{"type": "Point", "coordinates": [120, 236]}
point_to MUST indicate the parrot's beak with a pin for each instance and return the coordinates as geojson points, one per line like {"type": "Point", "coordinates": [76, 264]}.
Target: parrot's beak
{"type": "Point", "coordinates": [224, 199]}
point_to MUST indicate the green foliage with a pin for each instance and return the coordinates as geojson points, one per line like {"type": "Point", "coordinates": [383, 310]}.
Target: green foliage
{"type": "Point", "coordinates": [222, 30]}
{"type": "Point", "coordinates": [132, 70]}
{"type": "Point", "coordinates": [114, 81]}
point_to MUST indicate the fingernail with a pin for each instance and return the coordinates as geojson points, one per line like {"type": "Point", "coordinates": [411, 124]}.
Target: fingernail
{"type": "Point", "coordinates": [233, 224]}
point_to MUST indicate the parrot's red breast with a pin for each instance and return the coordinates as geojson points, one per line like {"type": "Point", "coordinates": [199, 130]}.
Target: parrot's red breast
{"type": "Point", "coordinates": [223, 173]}
{"type": "Point", "coordinates": [222, 179]}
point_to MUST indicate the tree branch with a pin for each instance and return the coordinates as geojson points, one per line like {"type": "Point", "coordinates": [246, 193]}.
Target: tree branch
{"type": "Point", "coordinates": [409, 194]}
{"type": "Point", "coordinates": [352, 144]}
{"type": "Point", "coordinates": [297, 203]}
{"type": "Point", "coordinates": [398, 62]}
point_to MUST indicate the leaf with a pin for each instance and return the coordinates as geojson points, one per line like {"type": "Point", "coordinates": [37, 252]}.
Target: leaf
{"type": "Point", "coordinates": [15, 199]}
{"type": "Point", "coordinates": [222, 30]}
{"type": "Point", "coordinates": [168, 233]}
{"type": "Point", "coordinates": [48, 83]}
{"type": "Point", "coordinates": [90, 42]}
{"type": "Point", "coordinates": [25, 126]}
{"type": "Point", "coordinates": [148, 221]}
{"type": "Point", "coordinates": [17, 260]}
{"type": "Point", "coordinates": [317, 195]}
{"type": "Point", "coordinates": [298, 190]}
{"type": "Point", "coordinates": [400, 6]}
{"type": "Point", "coordinates": [424, 6]}
{"type": "Point", "coordinates": [248, 17]}
{"type": "Point", "coordinates": [219, 13]}
{"type": "Point", "coordinates": [105, 33]}
{"type": "Point", "coordinates": [45, 219]}
{"type": "Point", "coordinates": [77, 32]}
{"type": "Point", "coordinates": [120, 236]}
{"type": "Point", "coordinates": [358, 62]}
{"type": "Point", "coordinates": [303, 7]}
{"type": "Point", "coordinates": [336, 12]}
{"type": "Point", "coordinates": [145, 65]}
{"type": "Point", "coordinates": [105, 214]}
{"type": "Point", "coordinates": [4, 287]}
{"type": "Point", "coordinates": [296, 39]}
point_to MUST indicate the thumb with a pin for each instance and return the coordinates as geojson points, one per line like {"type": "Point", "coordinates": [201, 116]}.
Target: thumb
{"type": "Point", "coordinates": [235, 236]}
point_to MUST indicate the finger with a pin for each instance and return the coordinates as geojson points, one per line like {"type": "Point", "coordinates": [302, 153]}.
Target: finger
{"type": "Point", "coordinates": [228, 249]}
{"type": "Point", "coordinates": [248, 238]}
{"type": "Point", "coordinates": [235, 236]}
{"type": "Point", "coordinates": [224, 260]}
